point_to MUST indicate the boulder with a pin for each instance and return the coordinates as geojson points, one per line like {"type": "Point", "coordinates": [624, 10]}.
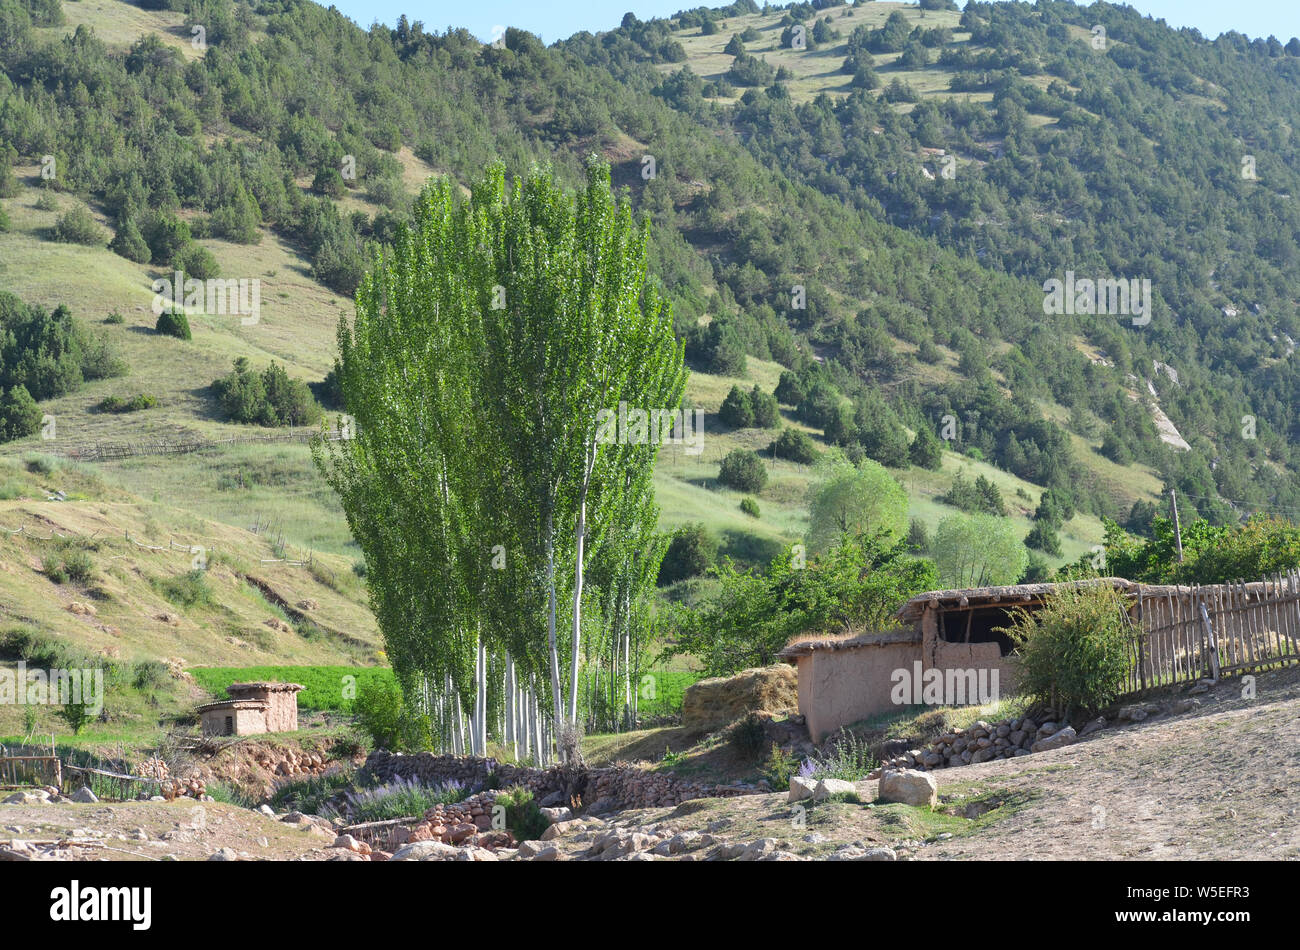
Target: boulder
{"type": "Point", "coordinates": [1096, 725]}
{"type": "Point", "coordinates": [909, 787]}
{"type": "Point", "coordinates": [715, 702]}
{"type": "Point", "coordinates": [801, 788]}
{"type": "Point", "coordinates": [1055, 741]}
{"type": "Point", "coordinates": [425, 851]}
{"type": "Point", "coordinates": [85, 796]}
{"type": "Point", "coordinates": [833, 786]}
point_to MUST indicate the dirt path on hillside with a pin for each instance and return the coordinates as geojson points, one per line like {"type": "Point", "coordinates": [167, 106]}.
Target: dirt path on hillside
{"type": "Point", "coordinates": [1220, 783]}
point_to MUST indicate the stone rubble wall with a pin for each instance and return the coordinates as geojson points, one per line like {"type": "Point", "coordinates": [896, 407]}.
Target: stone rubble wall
{"type": "Point", "coordinates": [611, 789]}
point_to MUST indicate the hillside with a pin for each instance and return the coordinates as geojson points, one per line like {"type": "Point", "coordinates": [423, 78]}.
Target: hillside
{"type": "Point", "coordinates": [923, 292]}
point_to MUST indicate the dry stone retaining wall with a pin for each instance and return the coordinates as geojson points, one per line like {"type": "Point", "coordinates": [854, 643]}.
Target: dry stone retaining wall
{"type": "Point", "coordinates": [605, 789]}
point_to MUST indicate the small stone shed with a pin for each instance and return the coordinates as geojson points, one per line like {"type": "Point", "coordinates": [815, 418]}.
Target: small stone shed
{"type": "Point", "coordinates": [252, 708]}
{"type": "Point", "coordinates": [843, 680]}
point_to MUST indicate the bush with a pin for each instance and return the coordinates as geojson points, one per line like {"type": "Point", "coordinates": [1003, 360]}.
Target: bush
{"type": "Point", "coordinates": [197, 262]}
{"type": "Point", "coordinates": [795, 446]}
{"type": "Point", "coordinates": [691, 552]}
{"type": "Point", "coordinates": [401, 798]}
{"type": "Point", "coordinates": [189, 590]}
{"type": "Point", "coordinates": [19, 414]}
{"type": "Point", "coordinates": [747, 737]}
{"type": "Point", "coordinates": [130, 243]}
{"type": "Point", "coordinates": [743, 470]}
{"type": "Point", "coordinates": [1073, 651]}
{"type": "Point", "coordinates": [269, 398]}
{"type": "Point", "coordinates": [134, 404]}
{"type": "Point", "coordinates": [173, 323]}
{"type": "Point", "coordinates": [77, 226]}
{"type": "Point", "coordinates": [750, 507]}
{"type": "Point", "coordinates": [737, 409]}
{"type": "Point", "coordinates": [382, 715]}
{"type": "Point", "coordinates": [844, 756]}
{"type": "Point", "coordinates": [524, 818]}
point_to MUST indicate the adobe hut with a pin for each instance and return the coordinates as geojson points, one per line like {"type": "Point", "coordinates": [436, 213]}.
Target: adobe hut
{"type": "Point", "coordinates": [252, 708]}
{"type": "Point", "coordinates": [846, 679]}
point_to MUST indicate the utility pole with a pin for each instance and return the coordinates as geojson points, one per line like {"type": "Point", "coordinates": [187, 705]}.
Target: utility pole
{"type": "Point", "coordinates": [1178, 531]}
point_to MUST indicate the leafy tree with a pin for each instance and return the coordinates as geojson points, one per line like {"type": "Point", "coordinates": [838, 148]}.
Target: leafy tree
{"type": "Point", "coordinates": [130, 243]}
{"type": "Point", "coordinates": [789, 391]}
{"type": "Point", "coordinates": [977, 550]}
{"type": "Point", "coordinates": [742, 470]}
{"type": "Point", "coordinates": [847, 500]}
{"type": "Point", "coordinates": [767, 415]}
{"type": "Point", "coordinates": [691, 552]}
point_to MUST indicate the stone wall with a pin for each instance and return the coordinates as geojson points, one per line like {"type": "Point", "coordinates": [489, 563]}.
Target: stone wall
{"type": "Point", "coordinates": [606, 789]}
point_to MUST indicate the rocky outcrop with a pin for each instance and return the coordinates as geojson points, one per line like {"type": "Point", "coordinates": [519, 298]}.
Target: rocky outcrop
{"type": "Point", "coordinates": [910, 787]}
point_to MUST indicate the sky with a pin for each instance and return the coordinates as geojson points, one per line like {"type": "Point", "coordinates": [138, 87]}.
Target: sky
{"type": "Point", "coordinates": [556, 19]}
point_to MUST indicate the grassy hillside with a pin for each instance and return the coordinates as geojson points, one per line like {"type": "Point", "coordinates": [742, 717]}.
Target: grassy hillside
{"type": "Point", "coordinates": [249, 504]}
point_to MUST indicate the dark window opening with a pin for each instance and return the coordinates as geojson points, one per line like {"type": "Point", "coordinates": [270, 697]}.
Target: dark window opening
{"type": "Point", "coordinates": [230, 725]}
{"type": "Point", "coordinates": [977, 626]}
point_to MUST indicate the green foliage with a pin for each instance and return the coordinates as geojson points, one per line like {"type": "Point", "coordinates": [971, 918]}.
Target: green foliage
{"type": "Point", "coordinates": [983, 496]}
{"type": "Point", "coordinates": [794, 445]}
{"type": "Point", "coordinates": [381, 713]}
{"type": "Point", "coordinates": [189, 590]}
{"type": "Point", "coordinates": [737, 409]}
{"type": "Point", "coordinates": [135, 403]}
{"type": "Point", "coordinates": [268, 398]}
{"type": "Point", "coordinates": [748, 617]}
{"type": "Point", "coordinates": [332, 688]}
{"type": "Point", "coordinates": [691, 552]}
{"type": "Point", "coordinates": [46, 354]}
{"type": "Point", "coordinates": [743, 470]}
{"type": "Point", "coordinates": [978, 550]}
{"type": "Point", "coordinates": [1073, 651]}
{"type": "Point", "coordinates": [523, 816]}
{"type": "Point", "coordinates": [196, 262]}
{"type": "Point", "coordinates": [19, 414]}
{"type": "Point", "coordinates": [843, 756]}
{"type": "Point", "coordinates": [76, 715]}
{"type": "Point", "coordinates": [1211, 554]}
{"type": "Point", "coordinates": [173, 323]}
{"type": "Point", "coordinates": [750, 507]}
{"type": "Point", "coordinates": [848, 501]}
{"type": "Point", "coordinates": [926, 451]}
{"type": "Point", "coordinates": [77, 226]}
{"type": "Point", "coordinates": [779, 767]}
{"type": "Point", "coordinates": [130, 243]}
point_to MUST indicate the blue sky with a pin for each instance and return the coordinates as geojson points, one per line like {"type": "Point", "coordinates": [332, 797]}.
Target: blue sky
{"type": "Point", "coordinates": [557, 19]}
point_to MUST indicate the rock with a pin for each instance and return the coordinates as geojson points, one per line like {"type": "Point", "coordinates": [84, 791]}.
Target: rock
{"type": "Point", "coordinates": [225, 854]}
{"type": "Point", "coordinates": [1096, 725]}
{"type": "Point", "coordinates": [1184, 706]}
{"type": "Point", "coordinates": [758, 849]}
{"type": "Point", "coordinates": [833, 786]}
{"type": "Point", "coordinates": [801, 788]}
{"type": "Point", "coordinates": [425, 851]}
{"type": "Point", "coordinates": [603, 806]}
{"type": "Point", "coordinates": [556, 814]}
{"type": "Point", "coordinates": [551, 853]}
{"type": "Point", "coordinates": [1055, 741]}
{"type": "Point", "coordinates": [909, 787]}
{"type": "Point", "coordinates": [351, 844]}
{"type": "Point", "coordinates": [266, 810]}
{"type": "Point", "coordinates": [720, 700]}
{"type": "Point", "coordinates": [531, 849]}
{"type": "Point", "coordinates": [562, 828]}
{"type": "Point", "coordinates": [1132, 714]}
{"type": "Point", "coordinates": [1047, 729]}
{"type": "Point", "coordinates": [85, 796]}
{"type": "Point", "coordinates": [879, 854]}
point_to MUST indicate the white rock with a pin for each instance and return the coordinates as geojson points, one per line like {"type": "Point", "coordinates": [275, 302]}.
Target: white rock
{"type": "Point", "coordinates": [909, 787]}
{"type": "Point", "coordinates": [801, 788]}
{"type": "Point", "coordinates": [833, 786]}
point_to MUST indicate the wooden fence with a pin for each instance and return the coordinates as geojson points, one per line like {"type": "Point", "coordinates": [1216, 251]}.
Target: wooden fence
{"type": "Point", "coordinates": [1183, 634]}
